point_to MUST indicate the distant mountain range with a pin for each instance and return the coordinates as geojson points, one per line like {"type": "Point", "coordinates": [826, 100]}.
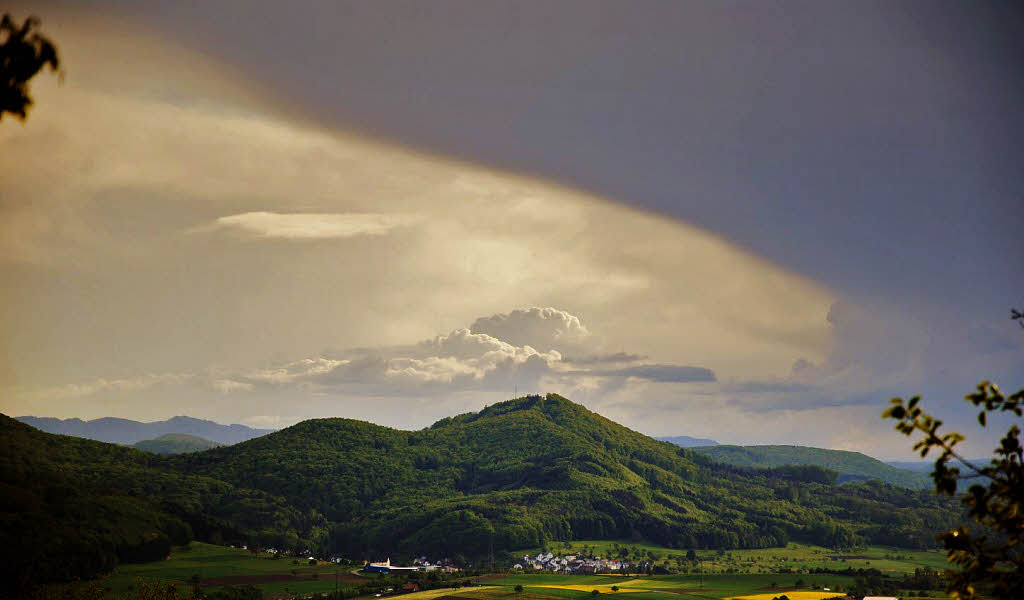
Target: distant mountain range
{"type": "Point", "coordinates": [125, 431]}
{"type": "Point", "coordinates": [176, 443]}
{"type": "Point", "coordinates": [851, 466]}
{"type": "Point", "coordinates": [685, 441]}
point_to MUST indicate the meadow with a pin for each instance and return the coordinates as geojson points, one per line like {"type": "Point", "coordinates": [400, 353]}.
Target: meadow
{"type": "Point", "coordinates": [794, 556]}
{"type": "Point", "coordinates": [218, 566]}
{"type": "Point", "coordinates": [736, 574]}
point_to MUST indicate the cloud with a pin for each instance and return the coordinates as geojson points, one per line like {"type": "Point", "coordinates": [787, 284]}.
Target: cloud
{"type": "Point", "coordinates": [116, 168]}
{"type": "Point", "coordinates": [461, 360]}
{"type": "Point", "coordinates": [226, 386]}
{"type": "Point", "coordinates": [773, 387]}
{"type": "Point", "coordinates": [543, 328]}
{"type": "Point", "coordinates": [120, 385]}
{"type": "Point", "coordinates": [661, 373]}
{"type": "Point", "coordinates": [307, 226]}
{"type": "Point", "coordinates": [597, 359]}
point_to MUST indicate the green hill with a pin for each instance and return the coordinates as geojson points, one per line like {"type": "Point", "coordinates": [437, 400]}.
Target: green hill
{"type": "Point", "coordinates": [74, 508]}
{"type": "Point", "coordinates": [851, 466]}
{"type": "Point", "coordinates": [515, 475]}
{"type": "Point", "coordinates": [543, 468]}
{"type": "Point", "coordinates": [175, 443]}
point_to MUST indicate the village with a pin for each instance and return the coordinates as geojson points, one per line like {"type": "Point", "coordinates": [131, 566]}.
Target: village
{"type": "Point", "coordinates": [420, 564]}
{"type": "Point", "coordinates": [572, 564]}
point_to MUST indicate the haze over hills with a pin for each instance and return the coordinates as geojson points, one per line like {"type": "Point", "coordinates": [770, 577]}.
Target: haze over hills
{"type": "Point", "coordinates": [685, 441]}
{"type": "Point", "coordinates": [175, 443]}
{"type": "Point", "coordinates": [851, 466]}
{"type": "Point", "coordinates": [126, 431]}
{"type": "Point", "coordinates": [927, 466]}
{"type": "Point", "coordinates": [514, 475]}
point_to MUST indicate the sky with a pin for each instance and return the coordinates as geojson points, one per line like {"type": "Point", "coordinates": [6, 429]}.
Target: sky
{"type": "Point", "coordinates": [752, 222]}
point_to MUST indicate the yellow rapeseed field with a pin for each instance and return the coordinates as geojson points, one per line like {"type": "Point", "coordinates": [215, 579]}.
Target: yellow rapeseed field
{"type": "Point", "coordinates": [428, 594]}
{"type": "Point", "coordinates": [604, 588]}
{"type": "Point", "coordinates": [791, 596]}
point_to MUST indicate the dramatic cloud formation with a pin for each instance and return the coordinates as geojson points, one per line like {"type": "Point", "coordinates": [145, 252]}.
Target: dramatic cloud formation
{"type": "Point", "coordinates": [166, 217]}
{"type": "Point", "coordinates": [459, 360]}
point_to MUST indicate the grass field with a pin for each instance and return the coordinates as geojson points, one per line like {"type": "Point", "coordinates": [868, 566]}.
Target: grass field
{"type": "Point", "coordinates": [794, 556]}
{"type": "Point", "coordinates": [218, 566]}
{"type": "Point", "coordinates": [750, 575]}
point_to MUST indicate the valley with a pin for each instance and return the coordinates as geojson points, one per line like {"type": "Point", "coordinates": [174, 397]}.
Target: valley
{"type": "Point", "coordinates": [793, 570]}
{"type": "Point", "coordinates": [530, 473]}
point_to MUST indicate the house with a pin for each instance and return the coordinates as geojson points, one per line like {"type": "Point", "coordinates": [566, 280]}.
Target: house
{"type": "Point", "coordinates": [378, 567]}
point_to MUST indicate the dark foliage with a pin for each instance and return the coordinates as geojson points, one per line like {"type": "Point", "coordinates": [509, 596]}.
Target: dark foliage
{"type": "Point", "coordinates": [73, 508]}
{"type": "Point", "coordinates": [23, 53]}
{"type": "Point", "coordinates": [990, 551]}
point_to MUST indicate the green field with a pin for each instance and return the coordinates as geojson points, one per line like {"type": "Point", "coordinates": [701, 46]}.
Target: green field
{"type": "Point", "coordinates": [766, 560]}
{"type": "Point", "coordinates": [217, 566]}
{"type": "Point", "coordinates": [731, 574]}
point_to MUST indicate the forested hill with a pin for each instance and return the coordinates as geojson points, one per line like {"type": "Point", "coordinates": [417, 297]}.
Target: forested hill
{"type": "Point", "coordinates": [851, 466]}
{"type": "Point", "coordinates": [542, 468]}
{"type": "Point", "coordinates": [175, 443]}
{"type": "Point", "coordinates": [512, 476]}
{"type": "Point", "coordinates": [74, 508]}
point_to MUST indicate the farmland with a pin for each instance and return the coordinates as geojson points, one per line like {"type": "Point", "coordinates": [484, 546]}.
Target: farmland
{"type": "Point", "coordinates": [218, 566]}
{"type": "Point", "coordinates": [735, 574]}
{"type": "Point", "coordinates": [794, 556]}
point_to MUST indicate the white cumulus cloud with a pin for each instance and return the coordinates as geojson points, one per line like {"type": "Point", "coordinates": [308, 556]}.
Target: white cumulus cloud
{"type": "Point", "coordinates": [543, 328]}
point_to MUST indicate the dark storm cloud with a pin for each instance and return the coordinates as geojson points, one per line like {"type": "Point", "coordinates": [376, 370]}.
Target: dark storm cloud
{"type": "Point", "coordinates": [871, 147]}
{"type": "Point", "coordinates": [867, 145]}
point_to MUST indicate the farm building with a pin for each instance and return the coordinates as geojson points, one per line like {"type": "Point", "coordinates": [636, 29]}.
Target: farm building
{"type": "Point", "coordinates": [387, 567]}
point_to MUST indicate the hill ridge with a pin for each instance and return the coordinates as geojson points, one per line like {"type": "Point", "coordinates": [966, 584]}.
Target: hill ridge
{"type": "Point", "coordinates": [851, 465]}
{"type": "Point", "coordinates": [175, 443]}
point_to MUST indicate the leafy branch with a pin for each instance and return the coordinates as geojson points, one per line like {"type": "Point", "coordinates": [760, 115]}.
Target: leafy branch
{"type": "Point", "coordinates": [23, 53]}
{"type": "Point", "coordinates": [990, 551]}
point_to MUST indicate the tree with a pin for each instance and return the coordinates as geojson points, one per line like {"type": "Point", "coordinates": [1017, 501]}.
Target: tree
{"type": "Point", "coordinates": [23, 53]}
{"type": "Point", "coordinates": [989, 552]}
